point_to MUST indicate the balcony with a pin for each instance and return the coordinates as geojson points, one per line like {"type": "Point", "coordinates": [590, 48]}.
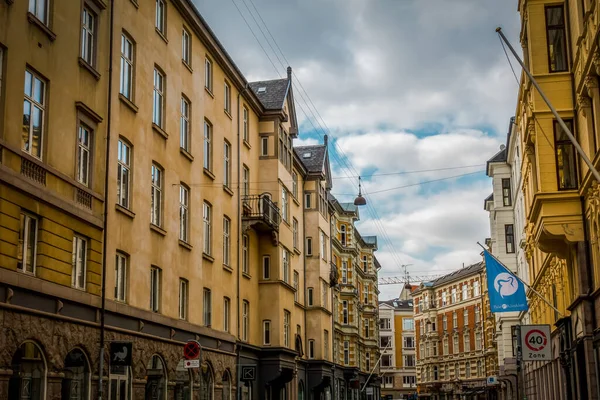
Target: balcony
{"type": "Point", "coordinates": [260, 213]}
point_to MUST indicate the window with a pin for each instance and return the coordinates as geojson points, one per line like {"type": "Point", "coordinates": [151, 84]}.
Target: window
{"type": "Point", "coordinates": [296, 285]}
{"type": "Point", "coordinates": [79, 262]}
{"type": "Point", "coordinates": [346, 352]}
{"type": "Point", "coordinates": [227, 164]}
{"type": "Point", "coordinates": [479, 369]}
{"type": "Point", "coordinates": [368, 361]}
{"type": "Point", "coordinates": [156, 196]}
{"type": "Point", "coordinates": [454, 320]}
{"type": "Point", "coordinates": [295, 232]}
{"type": "Point", "coordinates": [476, 291]}
{"type": "Point", "coordinates": [245, 254]}
{"type": "Point", "coordinates": [454, 296]}
{"type": "Point", "coordinates": [123, 173]}
{"type": "Point", "coordinates": [84, 146]}
{"type": "Point", "coordinates": [323, 243]}
{"type": "Point", "coordinates": [566, 165]}
{"type": "Point", "coordinates": [466, 317]}
{"type": "Point", "coordinates": [326, 344]}
{"type": "Point", "coordinates": [245, 181]}
{"type": "Point", "coordinates": [207, 307]}
{"type": "Point", "coordinates": [307, 200]}
{"type": "Point", "coordinates": [345, 312]}
{"type": "Point", "coordinates": [285, 209]}
{"type": "Point", "coordinates": [207, 220]}
{"type": "Point", "coordinates": [465, 291]}
{"type": "Point", "coordinates": [366, 293]}
{"type": "Point", "coordinates": [245, 126]}
{"type": "Point", "coordinates": [365, 263]}
{"type": "Point", "coordinates": [309, 295]}
{"type": "Point", "coordinates": [158, 99]}
{"type": "Point", "coordinates": [435, 373]}
{"type": "Point", "coordinates": [183, 299]}
{"type": "Point", "coordinates": [39, 8]}
{"type": "Point", "coordinates": [208, 74]}
{"type": "Point", "coordinates": [445, 346]}
{"type": "Point", "coordinates": [27, 243]}
{"type": "Point", "coordinates": [386, 360]}
{"type": "Point", "coordinates": [477, 340]}
{"type": "Point", "coordinates": [245, 320]}
{"type": "Point", "coordinates": [88, 31]}
{"type": "Point", "coordinates": [227, 95]}
{"type": "Point", "coordinates": [309, 246]}
{"type": "Point", "coordinates": [343, 234]}
{"type": "Point", "coordinates": [295, 184]}
{"type": "Point", "coordinates": [285, 256]}
{"type": "Point", "coordinates": [286, 328]}
{"type": "Point", "coordinates": [311, 349]}
{"type": "Point", "coordinates": [384, 324]}
{"type": "Point", "coordinates": [155, 289]}
{"type": "Point", "coordinates": [467, 369]}
{"type": "Point", "coordinates": [344, 272]}
{"type": "Point", "coordinates": [207, 145]}
{"type": "Point", "coordinates": [455, 349]}
{"type": "Point", "coordinates": [126, 86]}
{"type": "Point", "coordinates": [444, 299]}
{"type": "Point", "coordinates": [506, 192]}
{"type": "Point", "coordinates": [409, 380]}
{"type": "Point", "coordinates": [409, 360]}
{"type": "Point", "coordinates": [266, 333]}
{"type": "Point", "coordinates": [121, 277]}
{"type": "Point", "coordinates": [366, 325]}
{"type": "Point", "coordinates": [477, 314]}
{"type": "Point", "coordinates": [324, 294]}
{"type": "Point", "coordinates": [160, 16]}
{"type": "Point", "coordinates": [266, 267]}
{"type": "Point", "coordinates": [264, 146]}
{"type": "Point", "coordinates": [385, 342]}
{"type": "Point", "coordinates": [226, 313]}
{"type": "Point", "coordinates": [510, 238]}
{"type": "Point", "coordinates": [226, 240]}
{"type": "Point", "coordinates": [34, 108]}
{"type": "Point", "coordinates": [184, 133]}
{"type": "Point", "coordinates": [184, 200]}
{"type": "Point", "coordinates": [186, 47]}
{"type": "Point", "coordinates": [557, 41]}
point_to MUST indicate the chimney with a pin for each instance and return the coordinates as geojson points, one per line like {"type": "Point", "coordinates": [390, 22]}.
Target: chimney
{"type": "Point", "coordinates": [325, 140]}
{"type": "Point", "coordinates": [289, 72]}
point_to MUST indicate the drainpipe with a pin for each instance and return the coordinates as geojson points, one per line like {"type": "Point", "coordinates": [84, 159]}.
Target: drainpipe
{"type": "Point", "coordinates": [304, 267]}
{"type": "Point", "coordinates": [239, 235]}
{"type": "Point", "coordinates": [105, 219]}
{"type": "Point", "coordinates": [333, 306]}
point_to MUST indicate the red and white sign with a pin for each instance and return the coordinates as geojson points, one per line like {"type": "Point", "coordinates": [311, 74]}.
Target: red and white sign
{"type": "Point", "coordinates": [192, 350]}
{"type": "Point", "coordinates": [191, 364]}
{"type": "Point", "coordinates": [535, 342]}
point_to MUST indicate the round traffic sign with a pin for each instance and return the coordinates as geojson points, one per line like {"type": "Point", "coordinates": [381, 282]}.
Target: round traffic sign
{"type": "Point", "coordinates": [536, 340]}
{"type": "Point", "coordinates": [191, 350]}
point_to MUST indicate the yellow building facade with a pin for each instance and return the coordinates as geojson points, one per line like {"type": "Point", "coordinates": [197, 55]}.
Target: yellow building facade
{"type": "Point", "coordinates": [151, 195]}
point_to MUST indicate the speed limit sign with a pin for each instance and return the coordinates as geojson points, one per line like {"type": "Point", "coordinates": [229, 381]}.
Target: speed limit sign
{"type": "Point", "coordinates": [535, 342]}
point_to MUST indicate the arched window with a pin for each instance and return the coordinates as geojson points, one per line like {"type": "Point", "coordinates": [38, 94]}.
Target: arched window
{"type": "Point", "coordinates": [183, 382]}
{"type": "Point", "coordinates": [301, 390]}
{"type": "Point", "coordinates": [479, 370]}
{"type": "Point", "coordinates": [156, 384]}
{"type": "Point", "coordinates": [28, 380]}
{"type": "Point", "coordinates": [467, 369]}
{"type": "Point", "coordinates": [76, 384]}
{"type": "Point", "coordinates": [226, 383]}
{"type": "Point", "coordinates": [207, 388]}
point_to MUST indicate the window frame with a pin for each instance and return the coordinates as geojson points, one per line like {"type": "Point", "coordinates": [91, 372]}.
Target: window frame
{"type": "Point", "coordinates": [296, 284]}
{"type": "Point", "coordinates": [266, 267]}
{"type": "Point", "coordinates": [264, 146]}
{"type": "Point", "coordinates": [345, 313]}
{"type": "Point", "coordinates": [184, 212]}
{"type": "Point", "coordinates": [506, 192]}
{"type": "Point", "coordinates": [295, 232]}
{"type": "Point", "coordinates": [207, 307]}
{"type": "Point", "coordinates": [309, 251]}
{"type": "Point", "coordinates": [155, 289]}
{"type": "Point", "coordinates": [186, 47]}
{"type": "Point", "coordinates": [24, 227]}
{"type": "Point", "coordinates": [310, 300]}
{"type": "Point", "coordinates": [207, 146]}
{"type": "Point", "coordinates": [227, 164]}
{"type": "Point", "coordinates": [88, 36]}
{"type": "Point", "coordinates": [226, 313]}
{"type": "Point", "coordinates": [509, 238]}
{"type": "Point", "coordinates": [42, 109]}
{"type": "Point", "coordinates": [82, 148]}
{"type": "Point", "coordinates": [266, 332]}
{"type": "Point", "coordinates": [156, 211]}
{"type": "Point", "coordinates": [346, 352]}
{"type": "Point", "coordinates": [245, 254]}
{"type": "Point", "coordinates": [183, 299]}
{"type": "Point", "coordinates": [287, 321]}
{"type": "Point", "coordinates": [35, 12]}
{"type": "Point", "coordinates": [159, 94]}
{"type": "Point", "coordinates": [285, 264]}
{"type": "Point", "coordinates": [121, 272]}
{"type": "Point", "coordinates": [560, 27]}
{"type": "Point", "coordinates": [160, 21]}
{"type": "Point", "coordinates": [344, 272]}
{"type": "Point", "coordinates": [285, 205]}
{"type": "Point", "coordinates": [245, 124]}
{"type": "Point", "coordinates": [245, 319]}
{"type": "Point", "coordinates": [308, 200]}
{"type": "Point", "coordinates": [79, 264]}
{"type": "Point", "coordinates": [184, 124]}
{"type": "Point", "coordinates": [311, 349]}
{"type": "Point", "coordinates": [208, 74]}
{"type": "Point", "coordinates": [207, 228]}
{"type": "Point", "coordinates": [121, 166]}
{"type": "Point", "coordinates": [129, 63]}
{"type": "Point", "coordinates": [226, 240]}
{"type": "Point", "coordinates": [565, 143]}
{"type": "Point", "coordinates": [227, 97]}
{"type": "Point", "coordinates": [245, 181]}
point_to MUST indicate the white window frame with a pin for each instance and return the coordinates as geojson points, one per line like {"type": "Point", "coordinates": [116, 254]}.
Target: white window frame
{"type": "Point", "coordinates": [183, 298]}
{"type": "Point", "coordinates": [124, 154]}
{"type": "Point", "coordinates": [266, 267]}
{"type": "Point", "coordinates": [156, 200]}
{"type": "Point", "coordinates": [245, 124]}
{"type": "Point", "coordinates": [158, 100]}
{"type": "Point", "coordinates": [40, 9]}
{"type": "Point", "coordinates": [161, 14]}
{"type": "Point", "coordinates": [476, 289]}
{"type": "Point", "coordinates": [285, 209]}
{"type": "Point", "coordinates": [345, 313]}
{"type": "Point", "coordinates": [323, 244]}
{"type": "Point", "coordinates": [285, 262]}
{"type": "Point", "coordinates": [344, 272]}
{"type": "Point", "coordinates": [127, 66]}
{"type": "Point", "coordinates": [208, 74]}
{"type": "Point", "coordinates": [295, 232]}
{"type": "Point", "coordinates": [85, 140]}
{"type": "Point", "coordinates": [296, 285]}
{"type": "Point", "coordinates": [186, 47]}
{"type": "Point", "coordinates": [466, 317]}
{"type": "Point", "coordinates": [227, 98]}
{"type": "Point", "coordinates": [324, 296]}
{"type": "Point", "coordinates": [478, 341]}
{"type": "Point", "coordinates": [207, 225]}
{"type": "Point", "coordinates": [79, 264]}
{"type": "Point", "coordinates": [465, 291]}
{"type": "Point", "coordinates": [155, 289]}
{"type": "Point", "coordinates": [226, 313]}
{"type": "Point", "coordinates": [25, 238]}
{"type": "Point", "coordinates": [121, 272]}
{"type": "Point", "coordinates": [366, 326]}
{"type": "Point", "coordinates": [226, 164]}
{"type": "Point", "coordinates": [35, 104]}
{"type": "Point", "coordinates": [245, 253]}
{"type": "Point", "coordinates": [207, 307]}
{"type": "Point", "coordinates": [207, 146]}
{"type": "Point", "coordinates": [267, 332]}
{"type": "Point", "coordinates": [287, 318]}
{"type": "Point", "coordinates": [88, 39]}
{"type": "Point", "coordinates": [264, 146]}
{"type": "Point", "coordinates": [184, 130]}
{"type": "Point", "coordinates": [245, 320]}
{"type": "Point", "coordinates": [325, 344]}
{"type": "Point", "coordinates": [226, 240]}
{"type": "Point", "coordinates": [245, 181]}
{"type": "Point", "coordinates": [295, 184]}
{"type": "Point", "coordinates": [184, 213]}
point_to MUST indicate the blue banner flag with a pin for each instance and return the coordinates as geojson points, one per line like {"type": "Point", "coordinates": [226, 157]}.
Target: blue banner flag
{"type": "Point", "coordinates": [506, 292]}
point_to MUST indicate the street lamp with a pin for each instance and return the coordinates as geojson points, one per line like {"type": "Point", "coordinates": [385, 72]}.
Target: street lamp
{"type": "Point", "coordinates": [360, 200]}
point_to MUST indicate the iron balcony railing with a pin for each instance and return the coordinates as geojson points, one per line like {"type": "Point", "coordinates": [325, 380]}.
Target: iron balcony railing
{"type": "Point", "coordinates": [261, 208]}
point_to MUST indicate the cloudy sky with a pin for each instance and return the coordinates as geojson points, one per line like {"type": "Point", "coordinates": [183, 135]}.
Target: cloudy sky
{"type": "Point", "coordinates": [400, 86]}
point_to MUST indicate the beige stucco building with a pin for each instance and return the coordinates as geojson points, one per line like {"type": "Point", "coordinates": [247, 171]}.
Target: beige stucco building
{"type": "Point", "coordinates": [151, 195]}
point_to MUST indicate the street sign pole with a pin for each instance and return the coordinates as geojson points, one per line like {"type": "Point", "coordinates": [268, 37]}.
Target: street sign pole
{"type": "Point", "coordinates": [519, 357]}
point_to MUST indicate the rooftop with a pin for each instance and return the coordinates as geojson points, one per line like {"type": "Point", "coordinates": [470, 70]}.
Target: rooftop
{"type": "Point", "coordinates": [463, 272]}
{"type": "Point", "coordinates": [313, 157]}
{"type": "Point", "coordinates": [399, 304]}
{"type": "Point", "coordinates": [271, 93]}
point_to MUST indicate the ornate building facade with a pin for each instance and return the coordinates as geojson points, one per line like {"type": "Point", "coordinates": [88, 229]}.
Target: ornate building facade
{"type": "Point", "coordinates": [455, 336]}
{"type": "Point", "coordinates": [151, 195]}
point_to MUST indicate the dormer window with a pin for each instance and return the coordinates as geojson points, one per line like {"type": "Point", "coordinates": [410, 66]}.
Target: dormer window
{"type": "Point", "coordinates": [306, 155]}
{"type": "Point", "coordinates": [262, 89]}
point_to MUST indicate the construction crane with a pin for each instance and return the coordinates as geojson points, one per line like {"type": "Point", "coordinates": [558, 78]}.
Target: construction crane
{"type": "Point", "coordinates": [398, 280]}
